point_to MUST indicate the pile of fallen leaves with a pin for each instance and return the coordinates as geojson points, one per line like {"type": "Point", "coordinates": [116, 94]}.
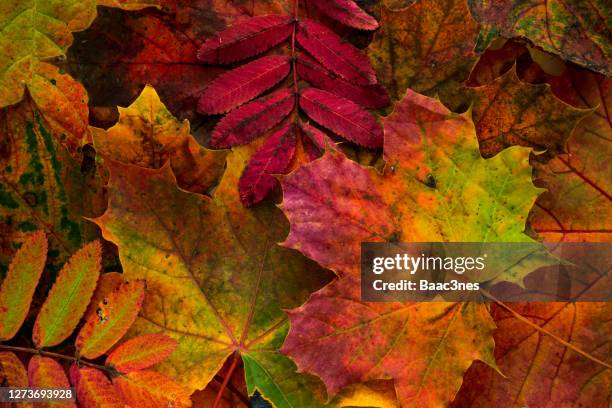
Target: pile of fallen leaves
{"type": "Point", "coordinates": [185, 185]}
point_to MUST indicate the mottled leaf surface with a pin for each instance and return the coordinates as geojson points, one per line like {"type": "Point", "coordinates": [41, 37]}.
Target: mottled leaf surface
{"type": "Point", "coordinates": [510, 112]}
{"type": "Point", "coordinates": [435, 174]}
{"type": "Point", "coordinates": [93, 388]}
{"type": "Point", "coordinates": [150, 389]}
{"type": "Point", "coordinates": [427, 47]}
{"type": "Point", "coordinates": [576, 30]}
{"type": "Point", "coordinates": [148, 135]}
{"type": "Point", "coordinates": [114, 316]}
{"type": "Point", "coordinates": [45, 372]}
{"type": "Point", "coordinates": [233, 280]}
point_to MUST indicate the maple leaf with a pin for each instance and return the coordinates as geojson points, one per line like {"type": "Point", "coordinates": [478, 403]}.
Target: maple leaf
{"type": "Point", "coordinates": [509, 112]}
{"type": "Point", "coordinates": [577, 31]}
{"type": "Point", "coordinates": [427, 47]}
{"type": "Point", "coordinates": [552, 354]}
{"type": "Point", "coordinates": [148, 135]}
{"type": "Point", "coordinates": [436, 181]}
{"type": "Point", "coordinates": [217, 283]}
{"type": "Point", "coordinates": [578, 205]}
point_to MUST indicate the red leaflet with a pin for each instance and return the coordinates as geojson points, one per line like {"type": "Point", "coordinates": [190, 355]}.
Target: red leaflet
{"type": "Point", "coordinates": [342, 116]}
{"type": "Point", "coordinates": [141, 352]}
{"type": "Point", "coordinates": [251, 120]}
{"type": "Point", "coordinates": [245, 39]}
{"type": "Point", "coordinates": [347, 12]}
{"type": "Point", "coordinates": [315, 141]}
{"type": "Point", "coordinates": [272, 158]}
{"type": "Point", "coordinates": [242, 84]}
{"type": "Point", "coordinates": [44, 372]}
{"type": "Point", "coordinates": [93, 389]}
{"type": "Point", "coordinates": [369, 96]}
{"type": "Point", "coordinates": [334, 53]}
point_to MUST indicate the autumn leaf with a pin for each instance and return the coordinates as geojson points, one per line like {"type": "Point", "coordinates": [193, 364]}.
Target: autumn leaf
{"type": "Point", "coordinates": [148, 135]}
{"type": "Point", "coordinates": [68, 297]}
{"type": "Point", "coordinates": [150, 389]}
{"type": "Point", "coordinates": [539, 371]}
{"type": "Point", "coordinates": [93, 388]}
{"type": "Point", "coordinates": [155, 47]}
{"type": "Point", "coordinates": [18, 285]}
{"type": "Point", "coordinates": [130, 4]}
{"type": "Point", "coordinates": [114, 316]}
{"type": "Point", "coordinates": [427, 47]}
{"type": "Point", "coordinates": [44, 372]}
{"type": "Point", "coordinates": [577, 31]}
{"type": "Point", "coordinates": [34, 32]}
{"type": "Point", "coordinates": [578, 205]}
{"type": "Point", "coordinates": [12, 371]}
{"type": "Point", "coordinates": [234, 282]}
{"type": "Point", "coordinates": [436, 181]}
{"type": "Point", "coordinates": [509, 112]}
{"type": "Point", "coordinates": [41, 183]}
{"type": "Point", "coordinates": [107, 284]}
{"type": "Point", "coordinates": [141, 352]}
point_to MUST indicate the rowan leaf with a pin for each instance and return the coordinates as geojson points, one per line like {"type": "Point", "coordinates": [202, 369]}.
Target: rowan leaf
{"type": "Point", "coordinates": [336, 55]}
{"type": "Point", "coordinates": [155, 47]}
{"type": "Point", "coordinates": [342, 116]}
{"type": "Point", "coordinates": [45, 372]}
{"type": "Point", "coordinates": [18, 286]}
{"type": "Point", "coordinates": [368, 96]}
{"type": "Point", "coordinates": [113, 318]}
{"type": "Point", "coordinates": [148, 135]}
{"type": "Point", "coordinates": [234, 282]}
{"type": "Point", "coordinates": [141, 352]}
{"type": "Point", "coordinates": [435, 181]}
{"type": "Point", "coordinates": [69, 297]}
{"type": "Point", "coordinates": [427, 47]}
{"type": "Point", "coordinates": [273, 157]}
{"type": "Point", "coordinates": [33, 32]}
{"type": "Point", "coordinates": [577, 31]}
{"type": "Point", "coordinates": [150, 389]}
{"type": "Point", "coordinates": [510, 112]}
{"type": "Point", "coordinates": [346, 12]}
{"type": "Point", "coordinates": [93, 388]}
{"type": "Point", "coordinates": [578, 205]}
{"type": "Point", "coordinates": [244, 124]}
{"type": "Point", "coordinates": [247, 38]}
{"type": "Point", "coordinates": [107, 284]}
{"type": "Point", "coordinates": [242, 84]}
{"type": "Point", "coordinates": [12, 371]}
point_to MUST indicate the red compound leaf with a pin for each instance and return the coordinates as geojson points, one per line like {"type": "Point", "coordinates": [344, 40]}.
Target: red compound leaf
{"type": "Point", "coordinates": [342, 116]}
{"type": "Point", "coordinates": [369, 96]}
{"type": "Point", "coordinates": [242, 84]}
{"type": "Point", "coordinates": [316, 142]}
{"type": "Point", "coordinates": [253, 119]}
{"type": "Point", "coordinates": [273, 157]}
{"type": "Point", "coordinates": [347, 12]}
{"type": "Point", "coordinates": [334, 53]}
{"type": "Point", "coordinates": [246, 38]}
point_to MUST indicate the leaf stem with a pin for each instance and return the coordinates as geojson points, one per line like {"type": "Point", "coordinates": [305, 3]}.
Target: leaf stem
{"type": "Point", "coordinates": [543, 330]}
{"type": "Point", "coordinates": [56, 355]}
{"type": "Point", "coordinates": [228, 376]}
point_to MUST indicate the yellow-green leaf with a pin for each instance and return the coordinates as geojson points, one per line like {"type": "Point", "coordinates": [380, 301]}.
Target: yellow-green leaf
{"type": "Point", "coordinates": [68, 297]}
{"type": "Point", "coordinates": [20, 282]}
